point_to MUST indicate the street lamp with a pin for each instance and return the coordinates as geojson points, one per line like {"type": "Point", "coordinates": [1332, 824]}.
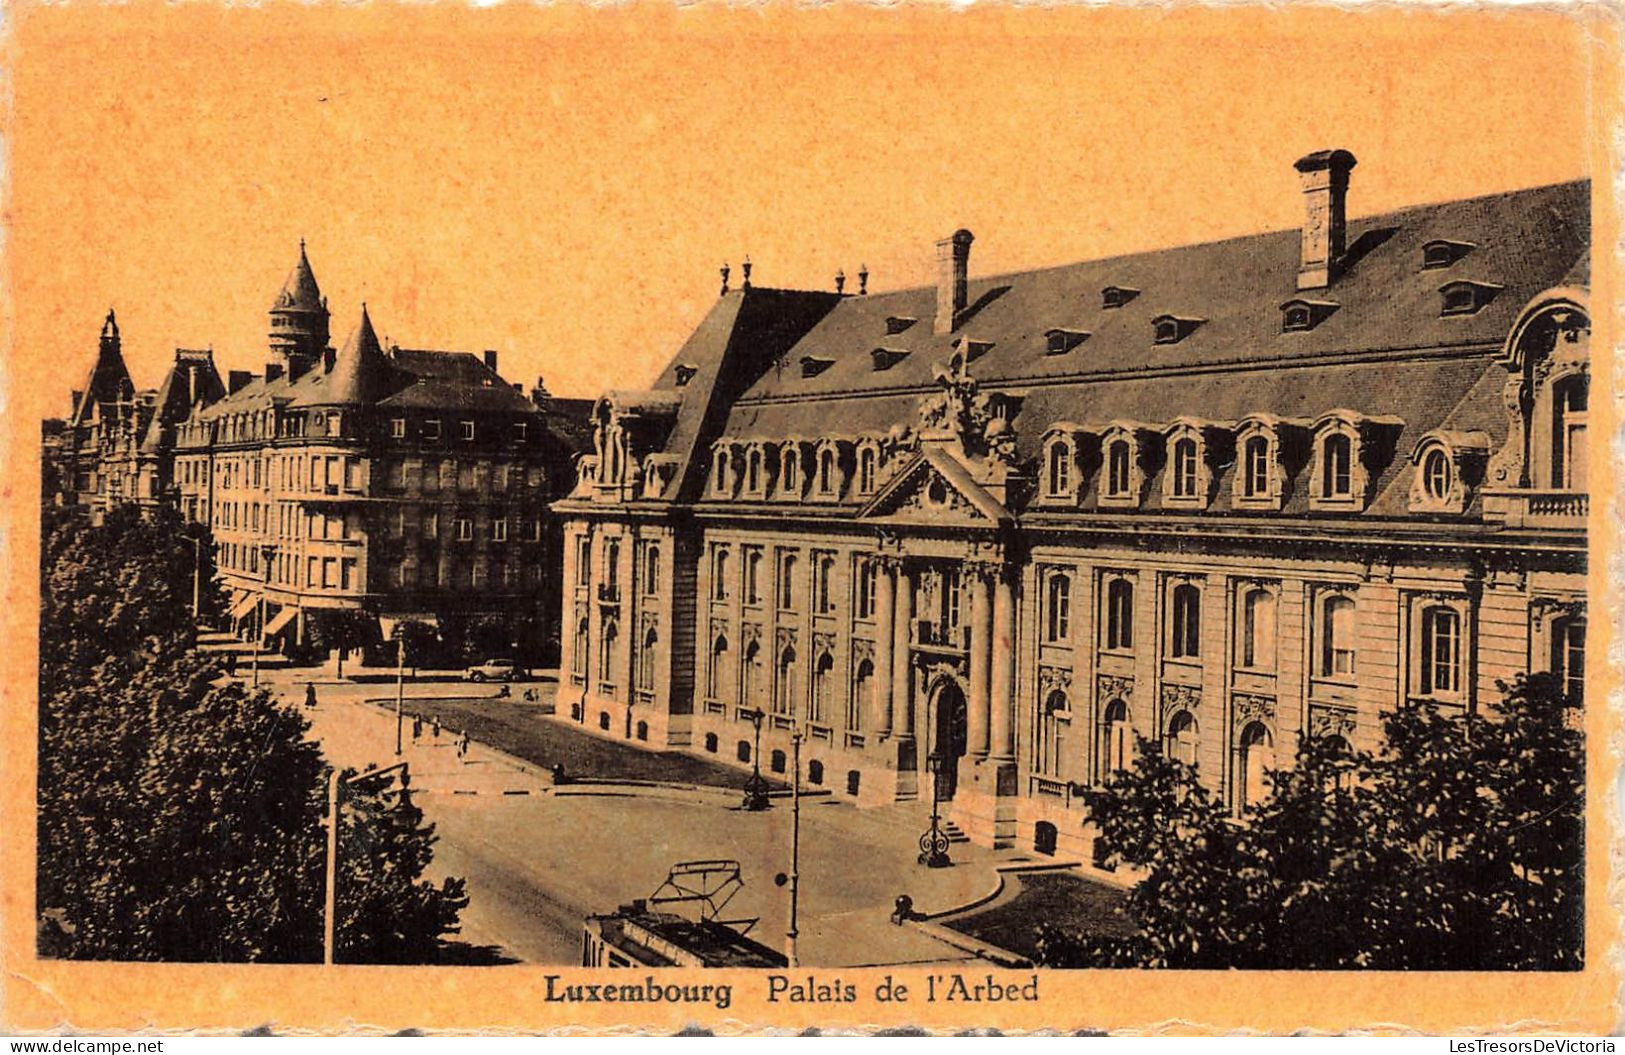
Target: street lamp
{"type": "Point", "coordinates": [934, 843]}
{"type": "Point", "coordinates": [197, 573]}
{"type": "Point", "coordinates": [755, 788]}
{"type": "Point", "coordinates": [268, 552]}
{"type": "Point", "coordinates": [330, 901]}
{"type": "Point", "coordinates": [400, 681]}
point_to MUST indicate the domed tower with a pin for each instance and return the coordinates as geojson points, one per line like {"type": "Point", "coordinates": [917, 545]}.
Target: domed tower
{"type": "Point", "coordinates": [299, 318]}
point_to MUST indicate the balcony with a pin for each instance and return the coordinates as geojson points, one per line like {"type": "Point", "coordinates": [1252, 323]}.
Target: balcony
{"type": "Point", "coordinates": [1563, 510]}
{"type": "Point", "coordinates": [609, 593]}
{"type": "Point", "coordinates": [928, 633]}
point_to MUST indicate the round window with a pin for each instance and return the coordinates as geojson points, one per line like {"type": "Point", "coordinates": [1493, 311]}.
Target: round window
{"type": "Point", "coordinates": [1436, 475]}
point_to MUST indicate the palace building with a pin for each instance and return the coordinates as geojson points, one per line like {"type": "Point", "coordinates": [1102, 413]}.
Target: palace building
{"type": "Point", "coordinates": [345, 491]}
{"type": "Point", "coordinates": [1219, 496]}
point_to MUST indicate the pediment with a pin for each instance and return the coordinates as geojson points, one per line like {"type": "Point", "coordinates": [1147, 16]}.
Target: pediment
{"type": "Point", "coordinates": [935, 488]}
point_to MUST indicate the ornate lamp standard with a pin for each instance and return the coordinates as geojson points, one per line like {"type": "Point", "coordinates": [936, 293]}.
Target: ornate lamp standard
{"type": "Point", "coordinates": [755, 788]}
{"type": "Point", "coordinates": [268, 552]}
{"type": "Point", "coordinates": [934, 843]}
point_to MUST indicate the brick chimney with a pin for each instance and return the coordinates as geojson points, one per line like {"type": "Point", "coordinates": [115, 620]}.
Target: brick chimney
{"type": "Point", "coordinates": [953, 265]}
{"type": "Point", "coordinates": [1325, 176]}
{"type": "Point", "coordinates": [491, 360]}
{"type": "Point", "coordinates": [272, 372]}
{"type": "Point", "coordinates": [236, 379]}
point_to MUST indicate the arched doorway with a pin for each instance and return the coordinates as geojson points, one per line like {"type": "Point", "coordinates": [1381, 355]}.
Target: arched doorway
{"type": "Point", "coordinates": [948, 735]}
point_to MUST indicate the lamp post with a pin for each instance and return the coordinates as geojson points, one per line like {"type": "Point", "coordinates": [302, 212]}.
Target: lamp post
{"type": "Point", "coordinates": [755, 788]}
{"type": "Point", "coordinates": [400, 681]}
{"type": "Point", "coordinates": [197, 573]}
{"type": "Point", "coordinates": [268, 552]}
{"type": "Point", "coordinates": [795, 846]}
{"type": "Point", "coordinates": [934, 843]}
{"type": "Point", "coordinates": [330, 900]}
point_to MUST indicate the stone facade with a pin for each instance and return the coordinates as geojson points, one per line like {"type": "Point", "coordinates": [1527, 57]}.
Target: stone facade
{"type": "Point", "coordinates": [1138, 497]}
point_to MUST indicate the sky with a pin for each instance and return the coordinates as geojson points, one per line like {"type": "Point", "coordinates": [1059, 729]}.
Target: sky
{"type": "Point", "coordinates": [561, 184]}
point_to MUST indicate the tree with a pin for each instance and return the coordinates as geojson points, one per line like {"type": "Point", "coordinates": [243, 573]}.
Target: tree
{"type": "Point", "coordinates": [1459, 845]}
{"type": "Point", "coordinates": [181, 814]}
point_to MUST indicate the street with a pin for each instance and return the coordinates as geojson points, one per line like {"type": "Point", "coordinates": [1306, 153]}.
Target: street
{"type": "Point", "coordinates": [538, 859]}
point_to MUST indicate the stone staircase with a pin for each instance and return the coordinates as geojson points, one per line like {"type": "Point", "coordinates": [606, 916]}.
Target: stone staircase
{"type": "Point", "coordinates": [954, 832]}
{"type": "Point", "coordinates": [223, 643]}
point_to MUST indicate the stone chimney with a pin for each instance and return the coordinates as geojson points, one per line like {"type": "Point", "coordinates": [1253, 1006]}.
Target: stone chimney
{"type": "Point", "coordinates": [236, 379]}
{"type": "Point", "coordinates": [272, 372]}
{"type": "Point", "coordinates": [491, 360]}
{"type": "Point", "coordinates": [1325, 176]}
{"type": "Point", "coordinates": [953, 266]}
{"type": "Point", "coordinates": [78, 397]}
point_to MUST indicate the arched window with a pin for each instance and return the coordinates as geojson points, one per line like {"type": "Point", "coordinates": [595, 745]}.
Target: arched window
{"type": "Point", "coordinates": [1120, 614]}
{"type": "Point", "coordinates": [643, 731]}
{"type": "Point", "coordinates": [1257, 760]}
{"type": "Point", "coordinates": [753, 470]}
{"type": "Point", "coordinates": [776, 761]}
{"type": "Point", "coordinates": [603, 721]}
{"type": "Point", "coordinates": [646, 661]}
{"type": "Point", "coordinates": [868, 576]}
{"type": "Point", "coordinates": [1256, 467]}
{"type": "Point", "coordinates": [578, 652]}
{"type": "Point", "coordinates": [787, 582]}
{"type": "Point", "coordinates": [612, 564]}
{"type": "Point", "coordinates": [750, 675]}
{"type": "Point", "coordinates": [1337, 649]}
{"type": "Point", "coordinates": [711, 743]}
{"type": "Point", "coordinates": [742, 750]}
{"type": "Point", "coordinates": [826, 472]}
{"type": "Point", "coordinates": [1255, 647]}
{"type": "Point", "coordinates": [1337, 466]}
{"type": "Point", "coordinates": [820, 694]}
{"type": "Point", "coordinates": [1060, 469]}
{"type": "Point", "coordinates": [1570, 397]}
{"type": "Point", "coordinates": [1117, 469]}
{"type": "Point", "coordinates": [651, 569]}
{"type": "Point", "coordinates": [866, 471]}
{"type": "Point", "coordinates": [719, 574]}
{"type": "Point", "coordinates": [784, 698]}
{"type": "Point", "coordinates": [1441, 651]}
{"type": "Point", "coordinates": [719, 664]}
{"type": "Point", "coordinates": [1044, 836]}
{"type": "Point", "coordinates": [1185, 468]}
{"type": "Point", "coordinates": [1436, 475]}
{"type": "Point", "coordinates": [1117, 739]}
{"type": "Point", "coordinates": [1185, 629]}
{"type": "Point", "coordinates": [789, 470]}
{"type": "Point", "coordinates": [719, 472]}
{"type": "Point", "coordinates": [1569, 655]}
{"type": "Point", "coordinates": [815, 772]}
{"type": "Point", "coordinates": [1182, 738]}
{"type": "Point", "coordinates": [606, 653]}
{"type": "Point", "coordinates": [863, 687]}
{"type": "Point", "coordinates": [1052, 729]}
{"type": "Point", "coordinates": [1058, 608]}
{"type": "Point", "coordinates": [854, 780]}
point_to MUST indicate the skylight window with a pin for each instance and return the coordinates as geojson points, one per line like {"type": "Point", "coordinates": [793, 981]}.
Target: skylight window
{"type": "Point", "coordinates": [886, 358]}
{"type": "Point", "coordinates": [1441, 253]}
{"type": "Point", "coordinates": [1465, 298]}
{"type": "Point", "coordinates": [1117, 296]}
{"type": "Point", "coordinates": [896, 324]}
{"type": "Point", "coordinates": [1059, 342]}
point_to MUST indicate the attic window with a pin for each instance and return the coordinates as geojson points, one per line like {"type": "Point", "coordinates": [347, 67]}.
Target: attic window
{"type": "Point", "coordinates": [1442, 252]}
{"type": "Point", "coordinates": [685, 374]}
{"type": "Point", "coordinates": [1300, 315]}
{"type": "Point", "coordinates": [1062, 341]}
{"type": "Point", "coordinates": [974, 350]}
{"type": "Point", "coordinates": [1465, 298]}
{"type": "Point", "coordinates": [886, 358]}
{"type": "Point", "coordinates": [896, 324]}
{"type": "Point", "coordinates": [812, 365]}
{"type": "Point", "coordinates": [1117, 296]}
{"type": "Point", "coordinates": [1171, 329]}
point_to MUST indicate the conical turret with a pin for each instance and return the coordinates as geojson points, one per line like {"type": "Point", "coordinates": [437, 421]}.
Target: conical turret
{"type": "Point", "coordinates": [109, 381]}
{"type": "Point", "coordinates": [360, 372]}
{"type": "Point", "coordinates": [299, 318]}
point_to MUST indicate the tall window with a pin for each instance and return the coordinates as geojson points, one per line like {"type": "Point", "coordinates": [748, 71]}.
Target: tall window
{"type": "Point", "coordinates": [583, 560]}
{"type": "Point", "coordinates": [719, 573]}
{"type": "Point", "coordinates": [789, 471]}
{"type": "Point", "coordinates": [1117, 739]}
{"type": "Point", "coordinates": [750, 676]}
{"type": "Point", "coordinates": [719, 473]}
{"type": "Point", "coordinates": [719, 665]}
{"type": "Point", "coordinates": [651, 569]}
{"type": "Point", "coordinates": [826, 472]}
{"type": "Point", "coordinates": [866, 471]}
{"type": "Point", "coordinates": [1569, 655]}
{"type": "Point", "coordinates": [612, 564]}
{"type": "Point", "coordinates": [867, 576]}
{"type": "Point", "coordinates": [823, 572]}
{"type": "Point", "coordinates": [1441, 651]}
{"type": "Point", "coordinates": [1337, 460]}
{"type": "Point", "coordinates": [1120, 614]}
{"type": "Point", "coordinates": [1185, 629]}
{"type": "Point", "coordinates": [1256, 645]}
{"type": "Point", "coordinates": [1257, 759]}
{"type": "Point", "coordinates": [819, 706]}
{"type": "Point", "coordinates": [606, 652]}
{"type": "Point", "coordinates": [646, 661]}
{"type": "Point", "coordinates": [1185, 468]}
{"type": "Point", "coordinates": [1337, 638]}
{"type": "Point", "coordinates": [1182, 738]}
{"type": "Point", "coordinates": [753, 470]}
{"type": "Point", "coordinates": [1436, 475]}
{"type": "Point", "coordinates": [1117, 466]}
{"type": "Point", "coordinates": [863, 687]}
{"type": "Point", "coordinates": [1058, 607]}
{"type": "Point", "coordinates": [1060, 469]}
{"type": "Point", "coordinates": [578, 654]}
{"type": "Point", "coordinates": [1052, 732]}
{"type": "Point", "coordinates": [1256, 465]}
{"type": "Point", "coordinates": [787, 582]}
{"type": "Point", "coordinates": [1569, 407]}
{"type": "Point", "coordinates": [784, 697]}
{"type": "Point", "coordinates": [753, 575]}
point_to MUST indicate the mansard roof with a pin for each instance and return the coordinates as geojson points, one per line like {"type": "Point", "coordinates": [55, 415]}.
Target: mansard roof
{"type": "Point", "coordinates": [109, 379]}
{"type": "Point", "coordinates": [192, 379]}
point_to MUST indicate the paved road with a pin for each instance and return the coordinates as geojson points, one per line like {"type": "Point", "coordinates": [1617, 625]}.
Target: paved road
{"type": "Point", "coordinates": [539, 859]}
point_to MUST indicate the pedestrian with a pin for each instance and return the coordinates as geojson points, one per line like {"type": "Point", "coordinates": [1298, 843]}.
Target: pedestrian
{"type": "Point", "coordinates": [310, 695]}
{"type": "Point", "coordinates": [417, 727]}
{"type": "Point", "coordinates": [435, 724]}
{"type": "Point", "coordinates": [231, 664]}
{"type": "Point", "coordinates": [462, 746]}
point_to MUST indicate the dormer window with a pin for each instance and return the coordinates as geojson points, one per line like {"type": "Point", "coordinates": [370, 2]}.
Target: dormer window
{"type": "Point", "coordinates": [886, 358]}
{"type": "Point", "coordinates": [1171, 329]}
{"type": "Point", "coordinates": [789, 471]}
{"type": "Point", "coordinates": [1336, 467]}
{"type": "Point", "coordinates": [896, 324]}
{"type": "Point", "coordinates": [868, 469]}
{"type": "Point", "coordinates": [828, 473]}
{"type": "Point", "coordinates": [753, 471]}
{"type": "Point", "coordinates": [1192, 446]}
{"type": "Point", "coordinates": [719, 472]}
{"type": "Point", "coordinates": [1441, 253]}
{"type": "Point", "coordinates": [971, 350]}
{"type": "Point", "coordinates": [1446, 465]}
{"type": "Point", "coordinates": [1260, 475]}
{"type": "Point", "coordinates": [1122, 478]}
{"type": "Point", "coordinates": [685, 373]}
{"type": "Point", "coordinates": [1117, 296]}
{"type": "Point", "coordinates": [1059, 342]}
{"type": "Point", "coordinates": [812, 365]}
{"type": "Point", "coordinates": [1465, 298]}
{"type": "Point", "coordinates": [1058, 475]}
{"type": "Point", "coordinates": [1300, 315]}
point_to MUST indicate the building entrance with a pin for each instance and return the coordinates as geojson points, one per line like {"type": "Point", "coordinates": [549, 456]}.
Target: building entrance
{"type": "Point", "coordinates": [948, 736]}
